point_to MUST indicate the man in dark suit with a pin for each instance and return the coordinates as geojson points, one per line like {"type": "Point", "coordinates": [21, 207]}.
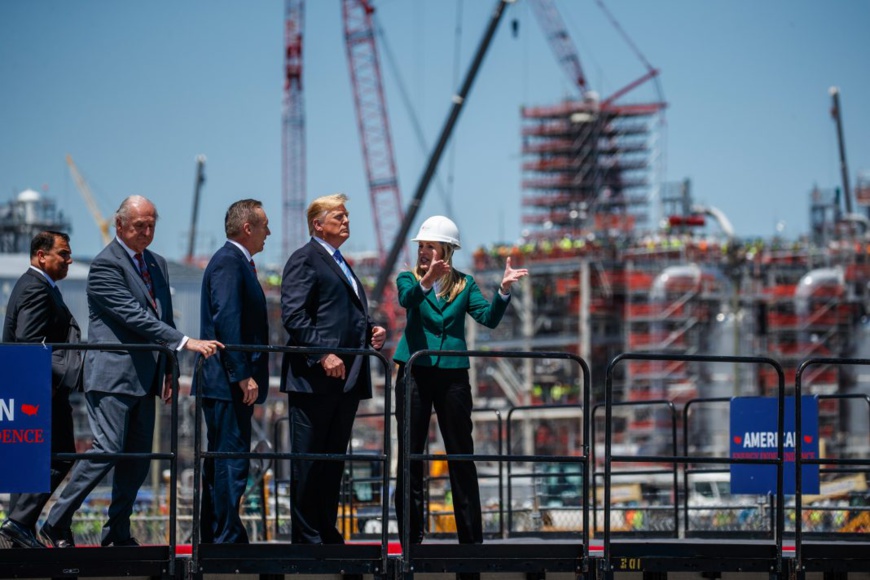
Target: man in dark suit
{"type": "Point", "coordinates": [323, 304]}
{"type": "Point", "coordinates": [233, 312]}
{"type": "Point", "coordinates": [129, 302]}
{"type": "Point", "coordinates": [36, 312]}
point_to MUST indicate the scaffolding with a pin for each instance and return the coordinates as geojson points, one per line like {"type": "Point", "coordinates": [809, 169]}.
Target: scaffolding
{"type": "Point", "coordinates": [586, 167]}
{"type": "Point", "coordinates": [683, 288]}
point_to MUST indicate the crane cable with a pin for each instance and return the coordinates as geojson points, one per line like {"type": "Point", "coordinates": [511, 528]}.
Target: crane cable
{"type": "Point", "coordinates": [444, 192]}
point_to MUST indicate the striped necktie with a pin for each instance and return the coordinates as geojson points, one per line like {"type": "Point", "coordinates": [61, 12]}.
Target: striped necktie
{"type": "Point", "coordinates": [146, 275]}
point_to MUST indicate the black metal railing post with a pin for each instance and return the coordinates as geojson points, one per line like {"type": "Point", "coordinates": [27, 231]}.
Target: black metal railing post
{"type": "Point", "coordinates": [407, 456]}
{"type": "Point", "coordinates": [799, 459]}
{"type": "Point", "coordinates": [609, 457]}
{"type": "Point", "coordinates": [171, 455]}
{"type": "Point", "coordinates": [200, 455]}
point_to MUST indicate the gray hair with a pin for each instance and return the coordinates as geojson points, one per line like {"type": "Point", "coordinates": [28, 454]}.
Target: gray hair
{"type": "Point", "coordinates": [122, 214]}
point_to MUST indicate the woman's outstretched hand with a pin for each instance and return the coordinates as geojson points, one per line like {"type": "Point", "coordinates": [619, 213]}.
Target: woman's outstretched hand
{"type": "Point", "coordinates": [510, 276]}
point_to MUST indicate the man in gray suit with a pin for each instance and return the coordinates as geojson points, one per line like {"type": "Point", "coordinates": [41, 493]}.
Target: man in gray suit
{"type": "Point", "coordinates": [37, 313]}
{"type": "Point", "coordinates": [129, 302]}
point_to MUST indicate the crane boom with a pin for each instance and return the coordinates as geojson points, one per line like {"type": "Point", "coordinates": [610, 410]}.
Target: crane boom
{"type": "Point", "coordinates": [560, 41]}
{"type": "Point", "coordinates": [844, 169]}
{"type": "Point", "coordinates": [90, 201]}
{"type": "Point", "coordinates": [374, 130]}
{"type": "Point", "coordinates": [372, 120]}
{"type": "Point", "coordinates": [197, 189]}
{"type": "Point", "coordinates": [435, 157]}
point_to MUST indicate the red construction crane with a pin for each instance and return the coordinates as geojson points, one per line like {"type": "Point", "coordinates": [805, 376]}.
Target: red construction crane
{"type": "Point", "coordinates": [372, 120]}
{"type": "Point", "coordinates": [375, 137]}
{"type": "Point", "coordinates": [293, 136]}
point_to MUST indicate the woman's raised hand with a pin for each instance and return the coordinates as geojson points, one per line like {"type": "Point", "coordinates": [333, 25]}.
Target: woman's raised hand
{"type": "Point", "coordinates": [511, 275]}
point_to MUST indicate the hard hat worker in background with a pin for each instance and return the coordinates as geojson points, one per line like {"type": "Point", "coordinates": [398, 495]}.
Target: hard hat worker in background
{"type": "Point", "coordinates": [437, 298]}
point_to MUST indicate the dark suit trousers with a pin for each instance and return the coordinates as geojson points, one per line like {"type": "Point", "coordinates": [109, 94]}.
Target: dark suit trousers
{"type": "Point", "coordinates": [449, 392]}
{"type": "Point", "coordinates": [318, 424]}
{"type": "Point", "coordinates": [224, 480]}
{"type": "Point", "coordinates": [26, 507]}
{"type": "Point", "coordinates": [120, 424]}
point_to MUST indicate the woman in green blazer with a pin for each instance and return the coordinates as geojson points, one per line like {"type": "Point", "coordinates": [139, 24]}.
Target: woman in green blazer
{"type": "Point", "coordinates": [436, 299]}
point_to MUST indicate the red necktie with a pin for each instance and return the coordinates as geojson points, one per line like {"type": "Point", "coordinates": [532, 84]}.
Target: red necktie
{"type": "Point", "coordinates": [253, 267]}
{"type": "Point", "coordinates": [146, 275]}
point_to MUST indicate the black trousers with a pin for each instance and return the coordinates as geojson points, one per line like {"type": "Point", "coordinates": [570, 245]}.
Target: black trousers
{"type": "Point", "coordinates": [449, 392]}
{"type": "Point", "coordinates": [26, 507]}
{"type": "Point", "coordinates": [318, 424]}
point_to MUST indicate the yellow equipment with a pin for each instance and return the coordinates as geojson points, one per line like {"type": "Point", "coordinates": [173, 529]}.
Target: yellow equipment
{"type": "Point", "coordinates": [85, 190]}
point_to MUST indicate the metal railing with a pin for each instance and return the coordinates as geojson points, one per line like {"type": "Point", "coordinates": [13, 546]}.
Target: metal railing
{"type": "Point", "coordinates": [200, 454]}
{"type": "Point", "coordinates": [846, 464]}
{"type": "Point", "coordinates": [672, 472]}
{"type": "Point", "coordinates": [568, 459]}
{"type": "Point", "coordinates": [610, 457]}
{"type": "Point", "coordinates": [407, 457]}
{"type": "Point", "coordinates": [102, 565]}
{"type": "Point", "coordinates": [586, 461]}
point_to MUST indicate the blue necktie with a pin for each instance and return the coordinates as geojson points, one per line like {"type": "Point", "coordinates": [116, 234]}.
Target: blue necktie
{"type": "Point", "coordinates": [344, 268]}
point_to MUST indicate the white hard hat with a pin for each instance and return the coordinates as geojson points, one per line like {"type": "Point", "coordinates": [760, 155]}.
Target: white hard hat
{"type": "Point", "coordinates": [438, 229]}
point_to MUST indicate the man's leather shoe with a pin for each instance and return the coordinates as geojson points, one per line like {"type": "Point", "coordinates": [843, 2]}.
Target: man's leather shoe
{"type": "Point", "coordinates": [57, 538]}
{"type": "Point", "coordinates": [131, 541]}
{"type": "Point", "coordinates": [19, 536]}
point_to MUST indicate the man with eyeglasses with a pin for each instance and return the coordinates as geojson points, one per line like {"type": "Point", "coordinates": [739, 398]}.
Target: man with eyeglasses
{"type": "Point", "coordinates": [36, 313]}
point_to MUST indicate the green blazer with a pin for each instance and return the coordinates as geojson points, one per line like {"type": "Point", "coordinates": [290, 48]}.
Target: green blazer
{"type": "Point", "coordinates": [433, 324]}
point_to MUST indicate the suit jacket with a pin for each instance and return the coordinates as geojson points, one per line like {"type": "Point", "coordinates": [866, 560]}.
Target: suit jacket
{"type": "Point", "coordinates": [433, 324]}
{"type": "Point", "coordinates": [120, 310]}
{"type": "Point", "coordinates": [320, 308]}
{"type": "Point", "coordinates": [37, 313]}
{"type": "Point", "coordinates": [233, 312]}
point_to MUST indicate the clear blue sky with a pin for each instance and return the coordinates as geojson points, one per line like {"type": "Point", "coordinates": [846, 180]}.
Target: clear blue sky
{"type": "Point", "coordinates": [135, 90]}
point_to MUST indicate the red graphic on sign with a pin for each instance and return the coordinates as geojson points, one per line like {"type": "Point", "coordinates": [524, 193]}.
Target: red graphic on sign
{"type": "Point", "coordinates": [30, 410]}
{"type": "Point", "coordinates": [738, 439]}
{"type": "Point", "coordinates": [808, 438]}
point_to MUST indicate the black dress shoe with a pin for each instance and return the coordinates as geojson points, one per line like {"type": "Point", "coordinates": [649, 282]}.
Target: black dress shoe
{"type": "Point", "coordinates": [331, 537]}
{"type": "Point", "coordinates": [19, 536]}
{"type": "Point", "coordinates": [127, 542]}
{"type": "Point", "coordinates": [57, 538]}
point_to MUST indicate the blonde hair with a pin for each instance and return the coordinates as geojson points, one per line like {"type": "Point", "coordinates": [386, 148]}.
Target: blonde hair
{"type": "Point", "coordinates": [323, 205]}
{"type": "Point", "coordinates": [451, 283]}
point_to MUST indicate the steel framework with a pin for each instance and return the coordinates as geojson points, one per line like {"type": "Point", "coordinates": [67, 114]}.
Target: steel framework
{"type": "Point", "coordinates": [293, 134]}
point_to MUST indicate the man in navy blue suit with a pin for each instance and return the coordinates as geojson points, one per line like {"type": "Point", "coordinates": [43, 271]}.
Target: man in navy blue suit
{"type": "Point", "coordinates": [323, 304]}
{"type": "Point", "coordinates": [233, 313]}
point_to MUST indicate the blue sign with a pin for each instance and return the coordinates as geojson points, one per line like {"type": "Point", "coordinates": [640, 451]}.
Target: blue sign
{"type": "Point", "coordinates": [25, 419]}
{"type": "Point", "coordinates": [754, 436]}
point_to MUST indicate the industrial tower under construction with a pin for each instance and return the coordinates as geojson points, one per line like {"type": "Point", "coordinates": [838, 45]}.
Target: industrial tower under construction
{"type": "Point", "coordinates": [606, 281]}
